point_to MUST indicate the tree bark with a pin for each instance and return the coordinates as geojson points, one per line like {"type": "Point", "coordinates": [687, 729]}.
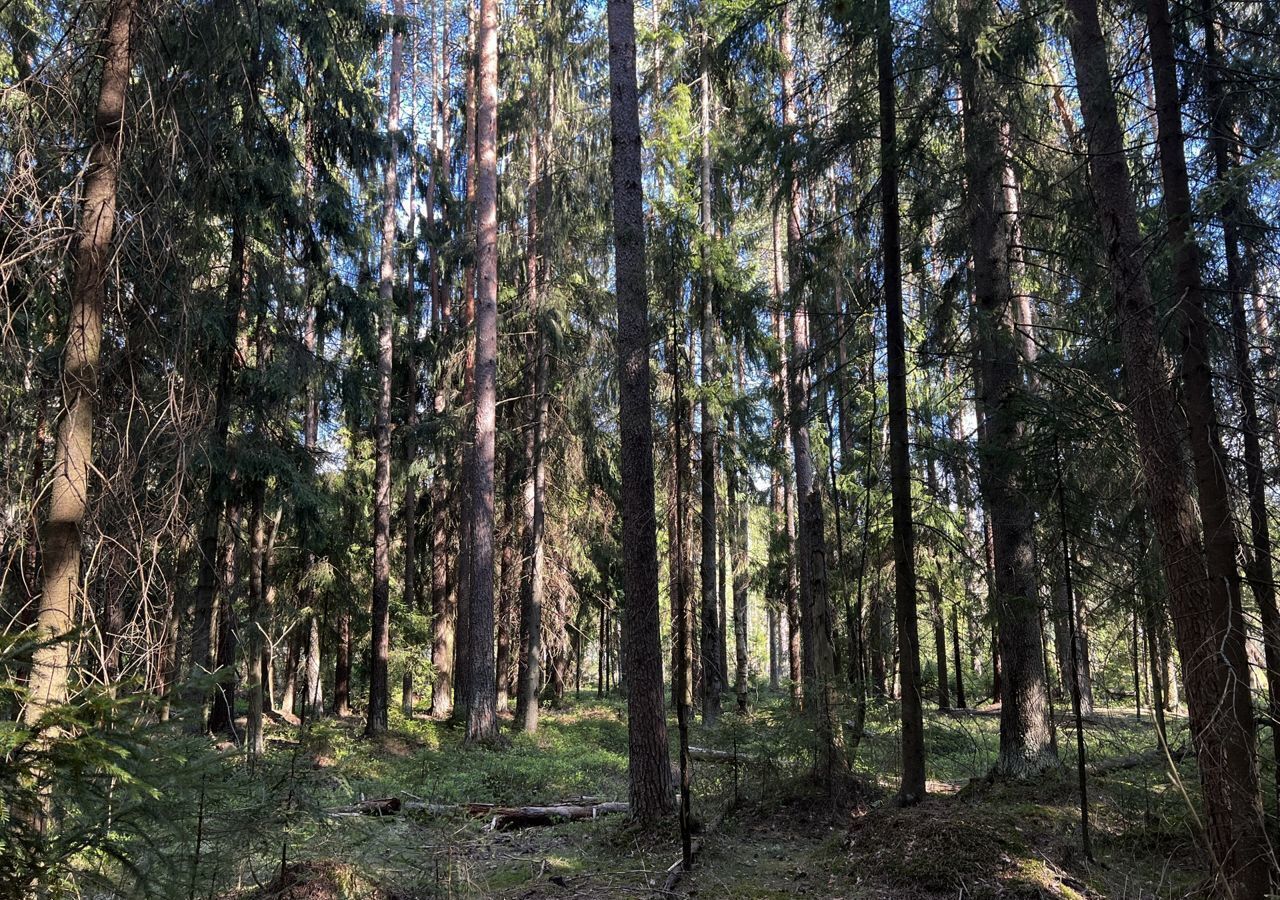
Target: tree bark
{"type": "Point", "coordinates": [466, 513]}
{"type": "Point", "coordinates": [712, 674]}
{"type": "Point", "coordinates": [81, 355]}
{"type": "Point", "coordinates": [1026, 746]}
{"type": "Point", "coordinates": [739, 508]}
{"type": "Point", "coordinates": [533, 579]}
{"type": "Point", "coordinates": [1258, 567]}
{"type": "Point", "coordinates": [912, 787]}
{"type": "Point", "coordinates": [649, 771]}
{"type": "Point", "coordinates": [784, 543]}
{"type": "Point", "coordinates": [934, 587]}
{"type": "Point", "coordinates": [380, 610]}
{"type": "Point", "coordinates": [223, 703]}
{"type": "Point", "coordinates": [342, 667]}
{"type": "Point", "coordinates": [482, 721]}
{"type": "Point", "coordinates": [255, 741]}
{"type": "Point", "coordinates": [816, 635]}
{"type": "Point", "coordinates": [1209, 628]}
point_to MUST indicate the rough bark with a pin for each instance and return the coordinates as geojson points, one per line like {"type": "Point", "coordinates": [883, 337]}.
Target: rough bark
{"type": "Point", "coordinates": [466, 512]}
{"type": "Point", "coordinates": [712, 674]}
{"type": "Point", "coordinates": [816, 625]}
{"type": "Point", "coordinates": [205, 604]}
{"type": "Point", "coordinates": [73, 448]}
{"type": "Point", "coordinates": [934, 587]}
{"type": "Point", "coordinates": [912, 787]}
{"type": "Point", "coordinates": [1258, 567]}
{"type": "Point", "coordinates": [482, 721]}
{"type": "Point", "coordinates": [649, 770]}
{"type": "Point", "coordinates": [533, 577]}
{"type": "Point", "coordinates": [255, 741]}
{"type": "Point", "coordinates": [784, 542]}
{"type": "Point", "coordinates": [443, 608]}
{"type": "Point", "coordinates": [1209, 628]}
{"type": "Point", "coordinates": [1025, 734]}
{"type": "Point", "coordinates": [738, 507]}
{"type": "Point", "coordinates": [223, 704]}
{"type": "Point", "coordinates": [380, 609]}
{"type": "Point", "coordinates": [342, 667]}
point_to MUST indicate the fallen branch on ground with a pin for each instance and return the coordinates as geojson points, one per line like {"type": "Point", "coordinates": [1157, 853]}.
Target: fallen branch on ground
{"type": "Point", "coordinates": [504, 817]}
{"type": "Point", "coordinates": [706, 754]}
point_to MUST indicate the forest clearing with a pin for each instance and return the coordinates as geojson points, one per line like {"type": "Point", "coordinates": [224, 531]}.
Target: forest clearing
{"type": "Point", "coordinates": [582, 448]}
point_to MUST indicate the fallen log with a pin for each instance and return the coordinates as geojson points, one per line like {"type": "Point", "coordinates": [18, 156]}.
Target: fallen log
{"type": "Point", "coordinates": [383, 806]}
{"type": "Point", "coordinates": [504, 817]}
{"type": "Point", "coordinates": [707, 754]}
{"type": "Point", "coordinates": [1120, 763]}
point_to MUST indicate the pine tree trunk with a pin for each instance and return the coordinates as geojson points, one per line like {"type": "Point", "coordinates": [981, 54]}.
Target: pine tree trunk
{"type": "Point", "coordinates": [649, 783]}
{"type": "Point", "coordinates": [912, 788]}
{"type": "Point", "coordinates": [482, 721]}
{"type": "Point", "coordinates": [380, 610]}
{"type": "Point", "coordinates": [1209, 628]}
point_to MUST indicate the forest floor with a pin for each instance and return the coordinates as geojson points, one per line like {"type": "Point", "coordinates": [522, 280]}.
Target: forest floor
{"type": "Point", "coordinates": [763, 832]}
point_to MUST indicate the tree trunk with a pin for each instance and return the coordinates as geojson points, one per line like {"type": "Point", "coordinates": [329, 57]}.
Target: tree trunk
{"type": "Point", "coordinates": [466, 513]}
{"type": "Point", "coordinates": [312, 689]}
{"type": "Point", "coordinates": [816, 637]}
{"type": "Point", "coordinates": [222, 709]}
{"type": "Point", "coordinates": [912, 788]}
{"type": "Point", "coordinates": [380, 611]}
{"type": "Point", "coordinates": [482, 722]}
{"type": "Point", "coordinates": [936, 603]}
{"type": "Point", "coordinates": [443, 608]}
{"type": "Point", "coordinates": [73, 449]}
{"type": "Point", "coordinates": [255, 663]}
{"type": "Point", "coordinates": [1208, 624]}
{"type": "Point", "coordinates": [712, 674]}
{"type": "Point", "coordinates": [508, 599]}
{"type": "Point", "coordinates": [533, 579]}
{"type": "Point", "coordinates": [288, 690]}
{"type": "Point", "coordinates": [958, 665]}
{"type": "Point", "coordinates": [1025, 735]}
{"type": "Point", "coordinates": [649, 770]}
{"type": "Point", "coordinates": [342, 667]}
{"type": "Point", "coordinates": [784, 514]}
{"type": "Point", "coordinates": [1258, 566]}
{"type": "Point", "coordinates": [255, 741]}
{"type": "Point", "coordinates": [739, 508]}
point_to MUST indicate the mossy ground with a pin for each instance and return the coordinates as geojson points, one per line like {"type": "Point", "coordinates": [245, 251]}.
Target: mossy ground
{"type": "Point", "coordinates": [772, 836]}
